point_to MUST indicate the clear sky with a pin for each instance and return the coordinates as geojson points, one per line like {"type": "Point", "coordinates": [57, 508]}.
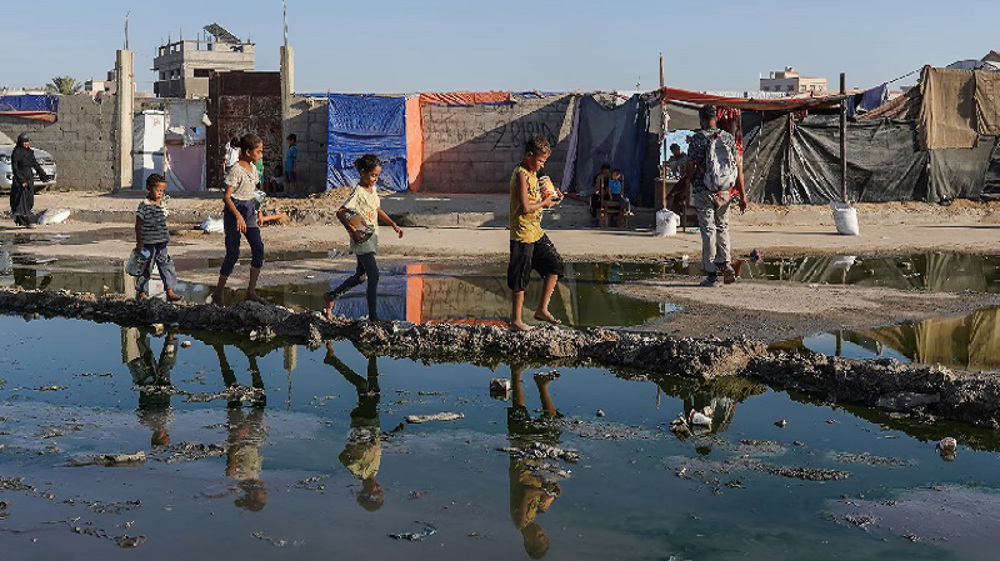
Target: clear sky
{"type": "Point", "coordinates": [555, 45]}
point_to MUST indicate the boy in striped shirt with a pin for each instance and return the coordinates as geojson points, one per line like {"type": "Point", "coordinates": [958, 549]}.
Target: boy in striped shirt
{"type": "Point", "coordinates": [152, 236]}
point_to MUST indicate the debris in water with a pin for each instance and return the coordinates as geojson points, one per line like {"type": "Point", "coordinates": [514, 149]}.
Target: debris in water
{"type": "Point", "coordinates": [699, 419]}
{"type": "Point", "coordinates": [600, 413]}
{"type": "Point", "coordinates": [428, 531]}
{"type": "Point", "coordinates": [275, 542]}
{"type": "Point", "coordinates": [185, 344]}
{"type": "Point", "coordinates": [781, 424]}
{"type": "Point", "coordinates": [947, 448]}
{"type": "Point", "coordinates": [112, 460]}
{"type": "Point", "coordinates": [415, 419]}
{"type": "Point", "coordinates": [538, 450]}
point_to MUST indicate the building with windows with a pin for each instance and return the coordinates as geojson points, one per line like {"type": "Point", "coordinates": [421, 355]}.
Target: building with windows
{"type": "Point", "coordinates": [183, 67]}
{"type": "Point", "coordinates": [790, 82]}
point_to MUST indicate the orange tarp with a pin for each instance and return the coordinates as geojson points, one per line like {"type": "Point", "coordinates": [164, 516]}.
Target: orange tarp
{"type": "Point", "coordinates": [465, 98]}
{"type": "Point", "coordinates": [414, 143]}
{"type": "Point", "coordinates": [779, 104]}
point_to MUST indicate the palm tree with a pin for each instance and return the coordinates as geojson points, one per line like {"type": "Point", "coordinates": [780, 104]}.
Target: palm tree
{"type": "Point", "coordinates": [64, 85]}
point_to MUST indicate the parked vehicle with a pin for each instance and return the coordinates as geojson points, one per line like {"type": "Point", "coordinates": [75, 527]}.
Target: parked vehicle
{"type": "Point", "coordinates": [7, 173]}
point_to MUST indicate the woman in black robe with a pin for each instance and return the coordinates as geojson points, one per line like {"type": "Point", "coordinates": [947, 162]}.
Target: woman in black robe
{"type": "Point", "coordinates": [22, 189]}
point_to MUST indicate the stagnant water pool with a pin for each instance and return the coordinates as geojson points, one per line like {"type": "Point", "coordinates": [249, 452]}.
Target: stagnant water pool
{"type": "Point", "coordinates": [320, 461]}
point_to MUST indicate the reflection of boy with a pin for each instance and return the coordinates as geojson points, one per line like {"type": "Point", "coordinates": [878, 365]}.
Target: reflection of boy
{"type": "Point", "coordinates": [154, 407]}
{"type": "Point", "coordinates": [362, 453]}
{"type": "Point", "coordinates": [530, 494]}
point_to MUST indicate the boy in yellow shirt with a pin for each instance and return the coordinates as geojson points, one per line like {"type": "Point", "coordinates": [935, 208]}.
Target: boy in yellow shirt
{"type": "Point", "coordinates": [530, 248]}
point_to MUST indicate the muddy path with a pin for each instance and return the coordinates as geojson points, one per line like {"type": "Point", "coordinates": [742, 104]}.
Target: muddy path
{"type": "Point", "coordinates": [931, 392]}
{"type": "Point", "coordinates": [773, 311]}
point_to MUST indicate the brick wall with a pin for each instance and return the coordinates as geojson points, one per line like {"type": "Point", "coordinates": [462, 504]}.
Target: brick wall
{"type": "Point", "coordinates": [81, 141]}
{"type": "Point", "coordinates": [466, 149]}
{"type": "Point", "coordinates": [472, 149]}
{"type": "Point", "coordinates": [308, 122]}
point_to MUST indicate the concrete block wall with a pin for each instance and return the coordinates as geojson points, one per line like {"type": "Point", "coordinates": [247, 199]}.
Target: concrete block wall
{"type": "Point", "coordinates": [472, 149]}
{"type": "Point", "coordinates": [308, 122]}
{"type": "Point", "coordinates": [81, 141]}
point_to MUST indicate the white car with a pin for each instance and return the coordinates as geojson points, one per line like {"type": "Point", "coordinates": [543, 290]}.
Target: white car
{"type": "Point", "coordinates": [7, 173]}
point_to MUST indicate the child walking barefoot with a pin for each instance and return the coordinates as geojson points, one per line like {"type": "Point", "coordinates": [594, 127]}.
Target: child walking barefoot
{"type": "Point", "coordinates": [151, 235]}
{"type": "Point", "coordinates": [239, 217]}
{"type": "Point", "coordinates": [365, 202]}
{"type": "Point", "coordinates": [530, 247]}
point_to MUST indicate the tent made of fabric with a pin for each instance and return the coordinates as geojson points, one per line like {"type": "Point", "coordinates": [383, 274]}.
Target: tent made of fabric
{"type": "Point", "coordinates": [617, 136]}
{"type": "Point", "coordinates": [29, 106]}
{"type": "Point", "coordinates": [366, 124]}
{"type": "Point", "coordinates": [794, 103]}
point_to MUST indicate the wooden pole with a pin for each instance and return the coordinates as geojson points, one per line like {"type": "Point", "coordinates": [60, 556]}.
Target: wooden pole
{"type": "Point", "coordinates": [843, 139]}
{"type": "Point", "coordinates": [661, 203]}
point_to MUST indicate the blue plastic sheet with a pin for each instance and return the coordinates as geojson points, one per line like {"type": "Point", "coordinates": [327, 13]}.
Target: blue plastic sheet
{"type": "Point", "coordinates": [613, 136]}
{"type": "Point", "coordinates": [30, 106]}
{"type": "Point", "coordinates": [366, 124]}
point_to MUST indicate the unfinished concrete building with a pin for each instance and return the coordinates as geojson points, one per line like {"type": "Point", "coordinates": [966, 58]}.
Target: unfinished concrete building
{"type": "Point", "coordinates": [183, 67]}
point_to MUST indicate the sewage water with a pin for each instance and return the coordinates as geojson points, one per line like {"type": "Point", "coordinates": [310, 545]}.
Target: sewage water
{"type": "Point", "coordinates": [969, 342]}
{"type": "Point", "coordinates": [325, 465]}
{"type": "Point", "coordinates": [416, 292]}
{"type": "Point", "coordinates": [937, 272]}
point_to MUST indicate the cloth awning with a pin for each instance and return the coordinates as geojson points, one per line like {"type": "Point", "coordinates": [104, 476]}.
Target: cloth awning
{"type": "Point", "coordinates": [779, 104]}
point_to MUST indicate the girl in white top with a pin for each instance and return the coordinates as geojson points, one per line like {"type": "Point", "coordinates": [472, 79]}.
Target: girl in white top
{"type": "Point", "coordinates": [239, 217]}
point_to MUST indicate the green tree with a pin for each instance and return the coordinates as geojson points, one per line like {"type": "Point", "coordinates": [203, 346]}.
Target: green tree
{"type": "Point", "coordinates": [64, 85]}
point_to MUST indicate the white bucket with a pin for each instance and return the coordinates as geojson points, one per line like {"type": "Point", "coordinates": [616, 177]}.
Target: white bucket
{"type": "Point", "coordinates": [666, 223]}
{"type": "Point", "coordinates": [846, 218]}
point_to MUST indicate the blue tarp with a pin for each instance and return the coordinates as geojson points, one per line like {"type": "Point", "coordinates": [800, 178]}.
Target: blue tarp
{"type": "Point", "coordinates": [613, 136]}
{"type": "Point", "coordinates": [366, 124]}
{"type": "Point", "coordinates": [30, 106]}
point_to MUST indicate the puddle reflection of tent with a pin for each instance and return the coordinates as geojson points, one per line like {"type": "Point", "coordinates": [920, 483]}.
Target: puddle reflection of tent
{"type": "Point", "coordinates": [971, 342]}
{"type": "Point", "coordinates": [935, 272]}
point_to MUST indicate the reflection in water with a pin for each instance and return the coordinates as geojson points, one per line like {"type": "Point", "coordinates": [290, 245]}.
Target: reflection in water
{"type": "Point", "coordinates": [532, 487]}
{"type": "Point", "coordinates": [154, 409]}
{"type": "Point", "coordinates": [970, 342]}
{"type": "Point", "coordinates": [937, 272]}
{"type": "Point", "coordinates": [362, 453]}
{"type": "Point", "coordinates": [244, 461]}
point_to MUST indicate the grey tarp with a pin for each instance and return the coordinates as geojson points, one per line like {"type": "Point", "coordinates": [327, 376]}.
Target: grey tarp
{"type": "Point", "coordinates": [959, 173]}
{"type": "Point", "coordinates": [883, 163]}
{"type": "Point", "coordinates": [615, 136]}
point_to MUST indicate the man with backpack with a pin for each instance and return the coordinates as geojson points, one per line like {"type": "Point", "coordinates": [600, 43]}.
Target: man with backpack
{"type": "Point", "coordinates": [713, 172]}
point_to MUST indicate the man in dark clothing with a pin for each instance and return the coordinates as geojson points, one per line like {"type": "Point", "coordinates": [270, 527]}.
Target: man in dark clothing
{"type": "Point", "coordinates": [22, 189]}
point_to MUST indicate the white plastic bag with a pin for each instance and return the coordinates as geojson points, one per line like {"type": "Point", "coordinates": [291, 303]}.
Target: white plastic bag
{"type": "Point", "coordinates": [846, 218]}
{"type": "Point", "coordinates": [666, 223]}
{"type": "Point", "coordinates": [53, 216]}
{"type": "Point", "coordinates": [212, 226]}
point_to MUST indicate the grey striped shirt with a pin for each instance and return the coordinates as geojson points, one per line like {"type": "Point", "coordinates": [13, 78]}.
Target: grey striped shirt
{"type": "Point", "coordinates": [152, 223]}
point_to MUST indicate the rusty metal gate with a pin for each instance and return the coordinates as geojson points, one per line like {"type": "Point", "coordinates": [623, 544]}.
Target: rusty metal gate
{"type": "Point", "coordinates": [241, 103]}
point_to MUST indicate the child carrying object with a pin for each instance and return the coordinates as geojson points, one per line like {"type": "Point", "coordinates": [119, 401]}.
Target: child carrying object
{"type": "Point", "coordinates": [530, 248]}
{"type": "Point", "coordinates": [360, 215]}
{"type": "Point", "coordinates": [151, 239]}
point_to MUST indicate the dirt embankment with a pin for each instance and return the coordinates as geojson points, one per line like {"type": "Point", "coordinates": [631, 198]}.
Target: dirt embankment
{"type": "Point", "coordinates": [777, 311]}
{"type": "Point", "coordinates": [885, 384]}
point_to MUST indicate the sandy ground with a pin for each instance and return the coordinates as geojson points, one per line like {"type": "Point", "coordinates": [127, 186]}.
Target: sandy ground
{"type": "Point", "coordinates": [768, 310]}
{"type": "Point", "coordinates": [777, 311]}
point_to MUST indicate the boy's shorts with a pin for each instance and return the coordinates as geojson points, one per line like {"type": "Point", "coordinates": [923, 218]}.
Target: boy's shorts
{"type": "Point", "coordinates": [540, 256]}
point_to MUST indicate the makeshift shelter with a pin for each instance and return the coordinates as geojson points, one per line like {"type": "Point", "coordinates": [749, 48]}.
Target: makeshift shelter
{"type": "Point", "coordinates": [935, 143]}
{"type": "Point", "coordinates": [612, 135]}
